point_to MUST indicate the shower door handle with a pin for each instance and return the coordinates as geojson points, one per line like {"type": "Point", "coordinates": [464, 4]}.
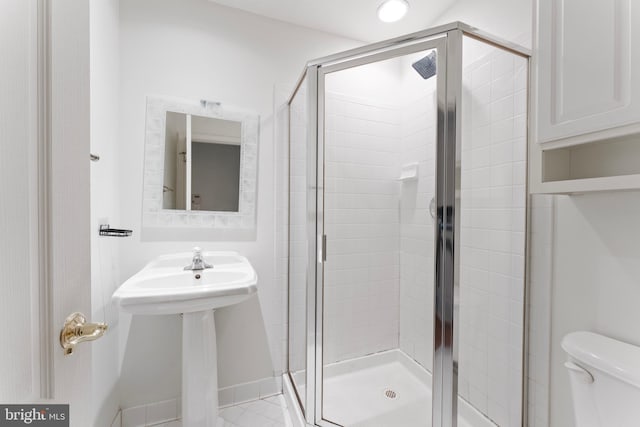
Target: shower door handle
{"type": "Point", "coordinates": [323, 249]}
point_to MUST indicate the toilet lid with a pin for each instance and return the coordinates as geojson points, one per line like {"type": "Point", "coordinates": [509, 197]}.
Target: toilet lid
{"type": "Point", "coordinates": [616, 358]}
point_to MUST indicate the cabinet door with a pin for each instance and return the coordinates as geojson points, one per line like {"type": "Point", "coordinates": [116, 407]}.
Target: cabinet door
{"type": "Point", "coordinates": [588, 53]}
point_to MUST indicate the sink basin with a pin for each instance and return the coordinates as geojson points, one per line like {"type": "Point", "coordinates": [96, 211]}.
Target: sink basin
{"type": "Point", "coordinates": [164, 287]}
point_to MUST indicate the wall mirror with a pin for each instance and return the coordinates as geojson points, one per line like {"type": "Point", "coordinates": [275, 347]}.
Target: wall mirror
{"type": "Point", "coordinates": [200, 168]}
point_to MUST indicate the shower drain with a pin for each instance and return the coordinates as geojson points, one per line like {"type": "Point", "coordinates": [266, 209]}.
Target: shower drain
{"type": "Point", "coordinates": [390, 394]}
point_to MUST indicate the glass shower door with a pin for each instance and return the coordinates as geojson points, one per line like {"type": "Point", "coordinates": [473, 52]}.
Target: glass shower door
{"type": "Point", "coordinates": [378, 167]}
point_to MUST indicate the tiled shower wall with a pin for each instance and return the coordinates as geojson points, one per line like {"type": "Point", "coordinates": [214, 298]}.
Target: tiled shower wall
{"type": "Point", "coordinates": [418, 136]}
{"type": "Point", "coordinates": [362, 227]}
{"type": "Point", "coordinates": [296, 183]}
{"type": "Point", "coordinates": [492, 231]}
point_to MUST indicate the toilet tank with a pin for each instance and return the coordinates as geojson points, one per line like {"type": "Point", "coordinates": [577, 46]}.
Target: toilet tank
{"type": "Point", "coordinates": [605, 380]}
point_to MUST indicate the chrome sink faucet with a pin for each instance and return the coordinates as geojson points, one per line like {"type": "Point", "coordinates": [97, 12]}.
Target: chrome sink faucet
{"type": "Point", "coordinates": [198, 263]}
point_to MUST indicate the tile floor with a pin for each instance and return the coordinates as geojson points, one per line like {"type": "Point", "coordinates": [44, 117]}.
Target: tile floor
{"type": "Point", "coordinates": [267, 412]}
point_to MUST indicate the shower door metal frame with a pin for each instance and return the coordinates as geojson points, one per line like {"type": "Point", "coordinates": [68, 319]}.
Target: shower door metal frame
{"type": "Point", "coordinates": [437, 42]}
{"type": "Point", "coordinates": [447, 39]}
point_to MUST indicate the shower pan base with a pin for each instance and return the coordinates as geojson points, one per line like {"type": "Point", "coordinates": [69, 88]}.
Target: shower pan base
{"type": "Point", "coordinates": [381, 390]}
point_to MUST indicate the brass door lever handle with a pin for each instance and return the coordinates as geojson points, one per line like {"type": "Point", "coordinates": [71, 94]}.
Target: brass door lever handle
{"type": "Point", "coordinates": [76, 330]}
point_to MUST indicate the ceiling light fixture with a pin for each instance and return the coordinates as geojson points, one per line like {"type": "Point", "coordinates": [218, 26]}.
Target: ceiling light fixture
{"type": "Point", "coordinates": [392, 10]}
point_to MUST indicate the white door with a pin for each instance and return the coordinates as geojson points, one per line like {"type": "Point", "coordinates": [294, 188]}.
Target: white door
{"type": "Point", "coordinates": [19, 310]}
{"type": "Point", "coordinates": [44, 201]}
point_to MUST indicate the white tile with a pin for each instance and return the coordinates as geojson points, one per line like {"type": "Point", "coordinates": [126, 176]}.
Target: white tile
{"type": "Point", "coordinates": [117, 420]}
{"type": "Point", "coordinates": [266, 410]}
{"type": "Point", "coordinates": [269, 387]}
{"type": "Point", "coordinates": [519, 150]}
{"type": "Point", "coordinates": [502, 86]}
{"type": "Point", "coordinates": [232, 413]}
{"type": "Point", "coordinates": [134, 417]}
{"type": "Point", "coordinates": [162, 411]}
{"type": "Point", "coordinates": [502, 64]}
{"type": "Point", "coordinates": [258, 413]}
{"type": "Point", "coordinates": [246, 392]}
{"type": "Point", "coordinates": [226, 396]}
{"type": "Point", "coordinates": [521, 102]}
{"type": "Point", "coordinates": [169, 424]}
{"type": "Point", "coordinates": [481, 96]}
{"type": "Point", "coordinates": [501, 175]}
{"type": "Point", "coordinates": [251, 419]}
{"type": "Point", "coordinates": [478, 399]}
{"type": "Point", "coordinates": [501, 153]}
{"type": "Point", "coordinates": [498, 413]}
{"type": "Point", "coordinates": [500, 263]}
{"type": "Point", "coordinates": [502, 109]}
{"type": "Point", "coordinates": [482, 75]}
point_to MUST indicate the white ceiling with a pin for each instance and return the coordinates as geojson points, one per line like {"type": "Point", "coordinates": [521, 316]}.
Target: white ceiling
{"type": "Point", "coordinates": [356, 19]}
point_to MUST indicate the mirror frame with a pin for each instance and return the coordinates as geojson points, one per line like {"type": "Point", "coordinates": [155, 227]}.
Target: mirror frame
{"type": "Point", "coordinates": [174, 224]}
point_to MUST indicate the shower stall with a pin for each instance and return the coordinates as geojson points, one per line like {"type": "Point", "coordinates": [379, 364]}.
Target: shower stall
{"type": "Point", "coordinates": [407, 233]}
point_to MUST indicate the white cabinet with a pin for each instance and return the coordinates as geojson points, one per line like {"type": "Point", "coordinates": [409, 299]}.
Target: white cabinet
{"type": "Point", "coordinates": [585, 110]}
{"type": "Point", "coordinates": [587, 72]}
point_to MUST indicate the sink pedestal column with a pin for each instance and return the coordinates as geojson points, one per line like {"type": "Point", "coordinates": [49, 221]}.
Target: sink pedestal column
{"type": "Point", "coordinates": [199, 370]}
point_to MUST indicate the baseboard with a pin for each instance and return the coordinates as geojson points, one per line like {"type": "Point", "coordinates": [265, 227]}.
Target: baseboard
{"type": "Point", "coordinates": [150, 414]}
{"type": "Point", "coordinates": [246, 392]}
{"type": "Point", "coordinates": [169, 410]}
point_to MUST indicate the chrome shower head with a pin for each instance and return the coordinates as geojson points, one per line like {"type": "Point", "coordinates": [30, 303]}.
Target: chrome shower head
{"type": "Point", "coordinates": [426, 67]}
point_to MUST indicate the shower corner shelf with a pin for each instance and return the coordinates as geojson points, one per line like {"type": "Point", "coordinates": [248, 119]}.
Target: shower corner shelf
{"type": "Point", "coordinates": [106, 230]}
{"type": "Point", "coordinates": [409, 172]}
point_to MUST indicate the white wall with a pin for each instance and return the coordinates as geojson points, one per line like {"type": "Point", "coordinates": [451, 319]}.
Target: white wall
{"type": "Point", "coordinates": [596, 285]}
{"type": "Point", "coordinates": [198, 50]}
{"type": "Point", "coordinates": [104, 84]}
{"type": "Point", "coordinates": [508, 19]}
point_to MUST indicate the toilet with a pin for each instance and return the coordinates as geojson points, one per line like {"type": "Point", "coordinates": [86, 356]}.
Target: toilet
{"type": "Point", "coordinates": [605, 380]}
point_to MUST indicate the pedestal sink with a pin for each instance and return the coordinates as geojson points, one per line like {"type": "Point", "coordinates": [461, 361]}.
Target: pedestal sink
{"type": "Point", "coordinates": [164, 287]}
